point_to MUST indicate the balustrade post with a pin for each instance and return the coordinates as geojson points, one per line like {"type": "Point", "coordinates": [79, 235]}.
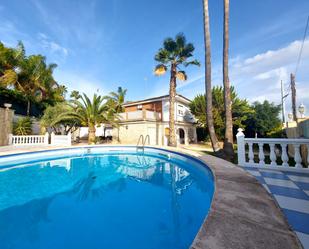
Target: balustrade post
{"type": "Point", "coordinates": [297, 156]}
{"type": "Point", "coordinates": [251, 155]}
{"type": "Point", "coordinates": [10, 139]}
{"type": "Point", "coordinates": [241, 153]}
{"type": "Point", "coordinates": [69, 139]}
{"type": "Point", "coordinates": [52, 138]}
{"type": "Point", "coordinates": [284, 155]}
{"type": "Point", "coordinates": [261, 154]}
{"type": "Point", "coordinates": [273, 157]}
{"type": "Point", "coordinates": [46, 136]}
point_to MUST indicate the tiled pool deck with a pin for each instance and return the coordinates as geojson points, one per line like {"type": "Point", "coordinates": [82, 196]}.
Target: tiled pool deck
{"type": "Point", "coordinates": [291, 191]}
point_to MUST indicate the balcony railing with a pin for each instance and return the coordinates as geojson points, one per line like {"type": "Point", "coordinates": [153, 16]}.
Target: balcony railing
{"type": "Point", "coordinates": [140, 115]}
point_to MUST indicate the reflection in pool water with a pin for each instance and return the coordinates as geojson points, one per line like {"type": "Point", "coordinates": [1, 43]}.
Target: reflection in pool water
{"type": "Point", "coordinates": [103, 201]}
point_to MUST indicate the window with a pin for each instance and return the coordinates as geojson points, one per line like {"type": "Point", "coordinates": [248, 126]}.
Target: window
{"type": "Point", "coordinates": [180, 112]}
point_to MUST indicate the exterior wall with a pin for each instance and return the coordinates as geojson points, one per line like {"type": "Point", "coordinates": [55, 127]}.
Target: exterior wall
{"type": "Point", "coordinates": [129, 133]}
{"type": "Point", "coordinates": [152, 106]}
{"type": "Point", "coordinates": [6, 125]}
{"type": "Point", "coordinates": [182, 112]}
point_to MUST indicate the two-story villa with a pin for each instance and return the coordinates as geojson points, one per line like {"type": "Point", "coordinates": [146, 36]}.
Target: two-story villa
{"type": "Point", "coordinates": [151, 117]}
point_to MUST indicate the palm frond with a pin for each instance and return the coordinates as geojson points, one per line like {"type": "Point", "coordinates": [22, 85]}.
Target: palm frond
{"type": "Point", "coordinates": [194, 62]}
{"type": "Point", "coordinates": [160, 69]}
{"type": "Point", "coordinates": [181, 75]}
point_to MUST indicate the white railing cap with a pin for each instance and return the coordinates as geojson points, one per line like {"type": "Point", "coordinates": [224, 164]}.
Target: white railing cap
{"type": "Point", "coordinates": [278, 140]}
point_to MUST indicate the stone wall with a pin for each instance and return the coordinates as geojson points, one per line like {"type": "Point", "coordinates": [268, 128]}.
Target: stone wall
{"type": "Point", "coordinates": [6, 125]}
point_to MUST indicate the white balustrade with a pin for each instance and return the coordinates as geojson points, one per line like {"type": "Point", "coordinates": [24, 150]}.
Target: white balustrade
{"type": "Point", "coordinates": [277, 148]}
{"type": "Point", "coordinates": [60, 140]}
{"type": "Point", "coordinates": [28, 140]}
{"type": "Point", "coordinates": [40, 140]}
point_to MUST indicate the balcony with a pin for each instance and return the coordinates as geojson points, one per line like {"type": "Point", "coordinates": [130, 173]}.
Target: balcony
{"type": "Point", "coordinates": [140, 115]}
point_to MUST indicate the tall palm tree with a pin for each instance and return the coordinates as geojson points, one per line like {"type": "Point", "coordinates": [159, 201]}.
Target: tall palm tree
{"type": "Point", "coordinates": [118, 99]}
{"type": "Point", "coordinates": [228, 140]}
{"type": "Point", "coordinates": [209, 114]}
{"type": "Point", "coordinates": [88, 113]}
{"type": "Point", "coordinates": [173, 55]}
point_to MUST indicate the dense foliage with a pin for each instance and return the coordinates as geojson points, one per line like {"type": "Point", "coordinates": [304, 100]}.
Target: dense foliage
{"type": "Point", "coordinates": [22, 126]}
{"type": "Point", "coordinates": [260, 118]}
{"type": "Point", "coordinates": [240, 110]}
{"type": "Point", "coordinates": [264, 120]}
{"type": "Point", "coordinates": [87, 112]}
{"type": "Point", "coordinates": [30, 76]}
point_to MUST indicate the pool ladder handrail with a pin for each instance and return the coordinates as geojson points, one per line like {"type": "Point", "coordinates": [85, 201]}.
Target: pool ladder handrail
{"type": "Point", "coordinates": [141, 139]}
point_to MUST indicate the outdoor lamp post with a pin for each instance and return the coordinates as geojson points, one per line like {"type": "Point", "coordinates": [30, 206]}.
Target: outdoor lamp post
{"type": "Point", "coordinates": [301, 110]}
{"type": "Point", "coordinates": [7, 105]}
{"type": "Point", "coordinates": [290, 116]}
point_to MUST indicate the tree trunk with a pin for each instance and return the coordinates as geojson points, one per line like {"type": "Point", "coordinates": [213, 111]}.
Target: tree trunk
{"type": "Point", "coordinates": [172, 133]}
{"type": "Point", "coordinates": [228, 141]}
{"type": "Point", "coordinates": [91, 134]}
{"type": "Point", "coordinates": [28, 107]}
{"type": "Point", "coordinates": [209, 114]}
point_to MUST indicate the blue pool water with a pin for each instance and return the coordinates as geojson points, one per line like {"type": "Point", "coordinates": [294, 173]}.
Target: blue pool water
{"type": "Point", "coordinates": [112, 200]}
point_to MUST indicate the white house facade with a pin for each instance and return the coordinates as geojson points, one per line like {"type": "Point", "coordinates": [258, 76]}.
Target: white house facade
{"type": "Point", "coordinates": [151, 117]}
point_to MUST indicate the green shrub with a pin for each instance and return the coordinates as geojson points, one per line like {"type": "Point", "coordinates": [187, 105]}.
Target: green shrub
{"type": "Point", "coordinates": [22, 126]}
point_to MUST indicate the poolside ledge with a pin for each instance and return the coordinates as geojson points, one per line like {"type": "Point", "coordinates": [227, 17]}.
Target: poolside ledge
{"type": "Point", "coordinates": [243, 215]}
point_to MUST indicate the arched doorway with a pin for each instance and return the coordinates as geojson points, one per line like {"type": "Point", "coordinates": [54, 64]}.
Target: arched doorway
{"type": "Point", "coordinates": [181, 134]}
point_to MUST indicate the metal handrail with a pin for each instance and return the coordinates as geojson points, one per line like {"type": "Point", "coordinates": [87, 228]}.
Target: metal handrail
{"type": "Point", "coordinates": [147, 136]}
{"type": "Point", "coordinates": [143, 140]}
{"type": "Point", "coordinates": [138, 142]}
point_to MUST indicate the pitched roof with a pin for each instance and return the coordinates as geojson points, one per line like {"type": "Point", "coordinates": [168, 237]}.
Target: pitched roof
{"type": "Point", "coordinates": [129, 103]}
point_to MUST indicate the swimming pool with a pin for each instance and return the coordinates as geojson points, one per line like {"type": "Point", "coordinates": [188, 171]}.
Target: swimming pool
{"type": "Point", "coordinates": [102, 197]}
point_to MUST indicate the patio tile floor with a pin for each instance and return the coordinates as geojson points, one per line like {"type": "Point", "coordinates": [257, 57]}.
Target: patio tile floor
{"type": "Point", "coordinates": [291, 191]}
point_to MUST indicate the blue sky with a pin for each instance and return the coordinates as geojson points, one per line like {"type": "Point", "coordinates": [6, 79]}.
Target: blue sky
{"type": "Point", "coordinates": [103, 44]}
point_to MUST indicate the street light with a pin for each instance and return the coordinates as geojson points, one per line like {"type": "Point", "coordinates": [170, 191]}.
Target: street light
{"type": "Point", "coordinates": [301, 110]}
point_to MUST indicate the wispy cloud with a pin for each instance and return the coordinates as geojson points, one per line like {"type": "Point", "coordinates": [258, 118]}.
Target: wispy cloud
{"type": "Point", "coordinates": [258, 78]}
{"type": "Point", "coordinates": [52, 46]}
{"type": "Point", "coordinates": [82, 83]}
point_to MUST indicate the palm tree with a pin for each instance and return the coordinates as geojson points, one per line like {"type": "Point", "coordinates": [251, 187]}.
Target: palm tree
{"type": "Point", "coordinates": [228, 140]}
{"type": "Point", "coordinates": [172, 55]}
{"type": "Point", "coordinates": [89, 113]}
{"type": "Point", "coordinates": [118, 98]}
{"type": "Point", "coordinates": [209, 114]}
{"type": "Point", "coordinates": [29, 75]}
